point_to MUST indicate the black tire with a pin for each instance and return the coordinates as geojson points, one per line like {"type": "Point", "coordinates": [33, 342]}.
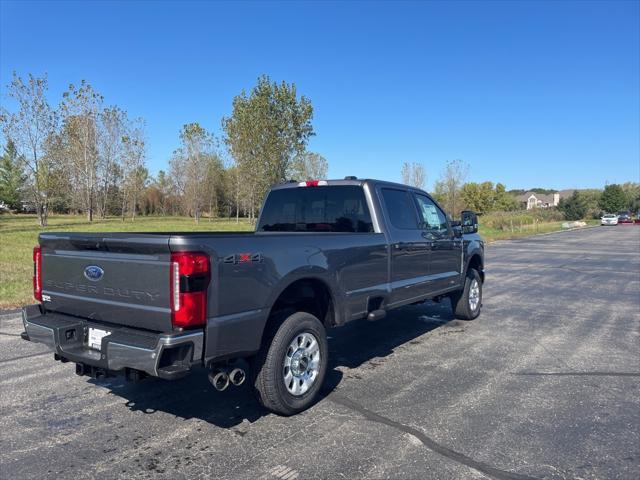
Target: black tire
{"type": "Point", "coordinates": [460, 300]}
{"type": "Point", "coordinates": [267, 366]}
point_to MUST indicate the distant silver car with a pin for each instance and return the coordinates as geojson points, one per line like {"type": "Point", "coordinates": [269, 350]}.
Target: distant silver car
{"type": "Point", "coordinates": [609, 219]}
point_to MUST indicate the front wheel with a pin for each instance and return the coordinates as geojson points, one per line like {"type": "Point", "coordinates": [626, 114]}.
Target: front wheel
{"type": "Point", "coordinates": [289, 369]}
{"type": "Point", "coordinates": [467, 303]}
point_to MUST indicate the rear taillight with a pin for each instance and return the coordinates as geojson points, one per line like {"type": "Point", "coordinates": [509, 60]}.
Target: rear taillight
{"type": "Point", "coordinates": [37, 273]}
{"type": "Point", "coordinates": [189, 278]}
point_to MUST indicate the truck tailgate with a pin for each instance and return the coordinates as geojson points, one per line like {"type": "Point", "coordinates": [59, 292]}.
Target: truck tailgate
{"type": "Point", "coordinates": [116, 278]}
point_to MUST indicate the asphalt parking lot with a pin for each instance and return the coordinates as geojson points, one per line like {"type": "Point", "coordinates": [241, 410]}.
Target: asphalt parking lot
{"type": "Point", "coordinates": [545, 384]}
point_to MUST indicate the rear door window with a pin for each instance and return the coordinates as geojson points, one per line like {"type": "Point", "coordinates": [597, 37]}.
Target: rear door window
{"type": "Point", "coordinates": [339, 208]}
{"type": "Point", "coordinates": [402, 213]}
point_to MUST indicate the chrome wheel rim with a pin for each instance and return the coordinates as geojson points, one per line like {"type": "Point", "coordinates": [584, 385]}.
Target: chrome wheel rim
{"type": "Point", "coordinates": [474, 295]}
{"type": "Point", "coordinates": [301, 364]}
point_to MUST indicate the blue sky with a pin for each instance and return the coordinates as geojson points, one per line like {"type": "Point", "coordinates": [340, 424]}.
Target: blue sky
{"type": "Point", "coordinates": [527, 93]}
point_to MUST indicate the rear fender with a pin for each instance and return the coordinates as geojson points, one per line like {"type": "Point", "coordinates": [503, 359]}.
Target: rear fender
{"type": "Point", "coordinates": [241, 334]}
{"type": "Point", "coordinates": [311, 273]}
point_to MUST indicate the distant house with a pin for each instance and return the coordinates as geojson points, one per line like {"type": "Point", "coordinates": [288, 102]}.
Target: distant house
{"type": "Point", "coordinates": [531, 200]}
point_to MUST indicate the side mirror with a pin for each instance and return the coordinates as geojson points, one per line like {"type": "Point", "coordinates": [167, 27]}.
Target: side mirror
{"type": "Point", "coordinates": [469, 221]}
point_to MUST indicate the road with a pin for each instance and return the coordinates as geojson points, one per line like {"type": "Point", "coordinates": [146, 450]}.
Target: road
{"type": "Point", "coordinates": [544, 384]}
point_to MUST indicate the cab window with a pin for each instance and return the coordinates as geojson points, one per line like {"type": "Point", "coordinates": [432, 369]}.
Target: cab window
{"type": "Point", "coordinates": [432, 218]}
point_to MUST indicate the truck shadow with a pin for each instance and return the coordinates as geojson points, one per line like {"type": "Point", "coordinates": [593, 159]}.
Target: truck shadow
{"type": "Point", "coordinates": [359, 343]}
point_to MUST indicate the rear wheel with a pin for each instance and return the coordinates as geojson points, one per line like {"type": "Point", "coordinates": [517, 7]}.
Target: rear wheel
{"type": "Point", "coordinates": [467, 303]}
{"type": "Point", "coordinates": [289, 369]}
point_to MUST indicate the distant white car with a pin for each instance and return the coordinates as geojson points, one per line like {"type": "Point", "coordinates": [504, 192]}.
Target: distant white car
{"type": "Point", "coordinates": [609, 219]}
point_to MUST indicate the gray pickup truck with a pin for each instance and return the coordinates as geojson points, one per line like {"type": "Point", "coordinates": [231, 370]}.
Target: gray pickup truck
{"type": "Point", "coordinates": [323, 253]}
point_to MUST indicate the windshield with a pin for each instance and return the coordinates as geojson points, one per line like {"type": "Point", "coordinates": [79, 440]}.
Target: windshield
{"type": "Point", "coordinates": [340, 208]}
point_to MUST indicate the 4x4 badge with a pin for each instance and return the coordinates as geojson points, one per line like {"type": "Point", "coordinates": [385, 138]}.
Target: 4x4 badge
{"type": "Point", "coordinates": [243, 258]}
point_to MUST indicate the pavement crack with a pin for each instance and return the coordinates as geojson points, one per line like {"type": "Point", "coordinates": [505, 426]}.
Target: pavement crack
{"type": "Point", "coordinates": [231, 473]}
{"type": "Point", "coordinates": [568, 268]}
{"type": "Point", "coordinates": [5, 360]}
{"type": "Point", "coordinates": [428, 442]}
{"type": "Point", "coordinates": [582, 374]}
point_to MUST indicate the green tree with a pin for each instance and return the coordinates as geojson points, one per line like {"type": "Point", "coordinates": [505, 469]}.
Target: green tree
{"type": "Point", "coordinates": [112, 123]}
{"type": "Point", "coordinates": [543, 191]}
{"type": "Point", "coordinates": [190, 168]}
{"type": "Point", "coordinates": [448, 188]}
{"type": "Point", "coordinates": [574, 207]}
{"type": "Point", "coordinates": [30, 127]}
{"type": "Point", "coordinates": [613, 198]}
{"type": "Point", "coordinates": [504, 201]}
{"type": "Point", "coordinates": [267, 129]}
{"type": "Point", "coordinates": [164, 185]}
{"type": "Point", "coordinates": [591, 197]}
{"type": "Point", "coordinates": [632, 193]}
{"type": "Point", "coordinates": [309, 166]}
{"type": "Point", "coordinates": [12, 178]}
{"type": "Point", "coordinates": [139, 181]}
{"type": "Point", "coordinates": [478, 197]}
{"type": "Point", "coordinates": [484, 197]}
{"type": "Point", "coordinates": [133, 171]}
{"type": "Point", "coordinates": [81, 106]}
{"type": "Point", "coordinates": [213, 168]}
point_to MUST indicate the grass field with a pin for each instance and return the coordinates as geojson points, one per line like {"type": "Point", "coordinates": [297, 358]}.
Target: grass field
{"type": "Point", "coordinates": [19, 233]}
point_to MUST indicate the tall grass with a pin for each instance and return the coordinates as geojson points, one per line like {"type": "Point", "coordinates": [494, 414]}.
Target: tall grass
{"type": "Point", "coordinates": [509, 221]}
{"type": "Point", "coordinates": [506, 225]}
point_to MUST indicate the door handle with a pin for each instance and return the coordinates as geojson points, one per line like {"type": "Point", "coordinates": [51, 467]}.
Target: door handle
{"type": "Point", "coordinates": [401, 245]}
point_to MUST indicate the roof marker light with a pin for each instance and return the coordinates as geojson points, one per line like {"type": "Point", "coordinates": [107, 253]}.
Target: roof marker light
{"type": "Point", "coordinates": [313, 183]}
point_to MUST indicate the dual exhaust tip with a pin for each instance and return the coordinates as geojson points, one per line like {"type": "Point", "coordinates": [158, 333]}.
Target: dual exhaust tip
{"type": "Point", "coordinates": [221, 378]}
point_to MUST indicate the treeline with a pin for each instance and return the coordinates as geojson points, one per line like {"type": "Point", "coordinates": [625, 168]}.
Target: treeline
{"type": "Point", "coordinates": [454, 193]}
{"type": "Point", "coordinates": [592, 203]}
{"type": "Point", "coordinates": [83, 156]}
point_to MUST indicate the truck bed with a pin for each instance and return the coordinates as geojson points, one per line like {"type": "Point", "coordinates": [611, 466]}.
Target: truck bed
{"type": "Point", "coordinates": [247, 267]}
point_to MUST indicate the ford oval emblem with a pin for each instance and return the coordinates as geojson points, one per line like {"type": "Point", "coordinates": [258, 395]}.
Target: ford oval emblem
{"type": "Point", "coordinates": [93, 273]}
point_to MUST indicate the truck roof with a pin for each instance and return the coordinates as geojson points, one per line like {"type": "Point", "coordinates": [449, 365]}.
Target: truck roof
{"type": "Point", "coordinates": [347, 181]}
